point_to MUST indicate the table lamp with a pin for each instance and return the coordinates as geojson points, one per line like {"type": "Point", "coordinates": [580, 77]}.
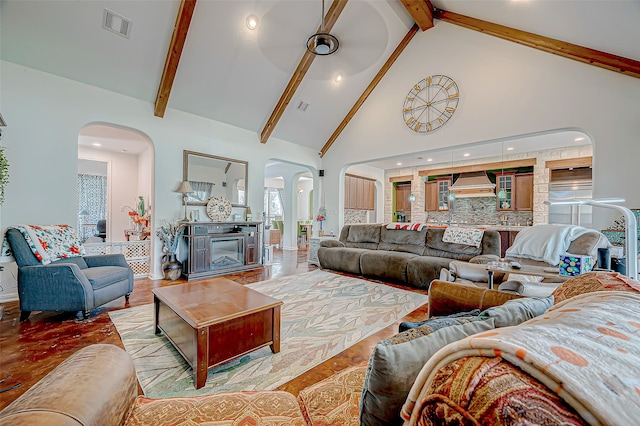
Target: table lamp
{"type": "Point", "coordinates": [249, 214]}
{"type": "Point", "coordinates": [184, 189]}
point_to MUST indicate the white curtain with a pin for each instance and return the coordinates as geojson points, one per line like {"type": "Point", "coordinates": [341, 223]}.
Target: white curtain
{"type": "Point", "coordinates": [201, 190]}
{"type": "Point", "coordinates": [92, 203]}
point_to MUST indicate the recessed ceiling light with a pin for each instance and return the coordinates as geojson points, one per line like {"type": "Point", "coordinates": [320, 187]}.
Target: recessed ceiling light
{"type": "Point", "coordinates": [252, 22]}
{"type": "Point", "coordinates": [419, 158]}
{"type": "Point", "coordinates": [398, 164]}
{"type": "Point", "coordinates": [510, 148]}
{"type": "Point", "coordinates": [96, 144]}
{"type": "Point", "coordinates": [339, 77]}
{"type": "Point", "coordinates": [124, 150]}
{"type": "Point", "coordinates": [579, 139]}
{"type": "Point", "coordinates": [429, 159]}
{"type": "Point", "coordinates": [466, 154]}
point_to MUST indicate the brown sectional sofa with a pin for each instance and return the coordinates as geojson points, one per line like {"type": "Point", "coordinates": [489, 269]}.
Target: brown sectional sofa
{"type": "Point", "coordinates": [398, 255]}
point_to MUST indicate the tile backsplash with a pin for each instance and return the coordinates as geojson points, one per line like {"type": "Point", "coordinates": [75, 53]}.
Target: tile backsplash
{"type": "Point", "coordinates": [481, 210]}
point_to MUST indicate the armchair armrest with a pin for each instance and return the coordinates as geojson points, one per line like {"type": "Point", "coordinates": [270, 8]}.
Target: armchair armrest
{"type": "Point", "coordinates": [63, 282]}
{"type": "Point", "coordinates": [331, 243]}
{"type": "Point", "coordinates": [447, 298]}
{"type": "Point", "coordinates": [106, 260]}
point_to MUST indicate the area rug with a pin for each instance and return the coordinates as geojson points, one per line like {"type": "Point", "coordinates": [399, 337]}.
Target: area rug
{"type": "Point", "coordinates": [322, 315]}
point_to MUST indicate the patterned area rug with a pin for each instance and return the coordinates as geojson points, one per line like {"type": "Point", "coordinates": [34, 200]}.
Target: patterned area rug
{"type": "Point", "coordinates": [322, 315]}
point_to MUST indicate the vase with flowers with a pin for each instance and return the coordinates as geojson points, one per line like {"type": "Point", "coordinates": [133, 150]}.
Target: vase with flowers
{"type": "Point", "coordinates": [140, 215]}
{"type": "Point", "coordinates": [170, 234]}
{"type": "Point", "coordinates": [321, 217]}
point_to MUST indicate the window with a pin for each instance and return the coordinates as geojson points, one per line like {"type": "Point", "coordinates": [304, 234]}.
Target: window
{"type": "Point", "coordinates": [92, 203]}
{"type": "Point", "coordinates": [272, 204]}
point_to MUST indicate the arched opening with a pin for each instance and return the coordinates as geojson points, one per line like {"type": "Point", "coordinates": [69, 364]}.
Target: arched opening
{"type": "Point", "coordinates": [288, 205]}
{"type": "Point", "coordinates": [115, 192]}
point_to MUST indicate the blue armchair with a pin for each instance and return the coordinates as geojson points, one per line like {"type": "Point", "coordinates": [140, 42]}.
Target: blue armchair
{"type": "Point", "coordinates": [74, 284]}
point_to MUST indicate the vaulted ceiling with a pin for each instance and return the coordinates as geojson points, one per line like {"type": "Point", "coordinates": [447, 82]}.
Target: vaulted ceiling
{"type": "Point", "coordinates": [214, 66]}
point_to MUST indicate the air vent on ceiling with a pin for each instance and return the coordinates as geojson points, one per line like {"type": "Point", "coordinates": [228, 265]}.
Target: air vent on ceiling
{"type": "Point", "coordinates": [302, 106]}
{"type": "Point", "coordinates": [116, 23]}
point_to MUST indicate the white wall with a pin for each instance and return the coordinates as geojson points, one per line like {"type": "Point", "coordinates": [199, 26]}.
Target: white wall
{"type": "Point", "coordinates": [506, 90]}
{"type": "Point", "coordinates": [45, 114]}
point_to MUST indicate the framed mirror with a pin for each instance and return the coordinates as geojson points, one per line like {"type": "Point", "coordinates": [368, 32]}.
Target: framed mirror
{"type": "Point", "coordinates": [213, 176]}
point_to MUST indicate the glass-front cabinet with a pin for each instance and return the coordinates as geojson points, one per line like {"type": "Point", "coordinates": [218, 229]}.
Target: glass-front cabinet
{"type": "Point", "coordinates": [504, 190]}
{"type": "Point", "coordinates": [437, 194]}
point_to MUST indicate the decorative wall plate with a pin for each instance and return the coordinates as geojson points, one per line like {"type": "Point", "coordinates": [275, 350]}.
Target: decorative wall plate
{"type": "Point", "coordinates": [218, 208]}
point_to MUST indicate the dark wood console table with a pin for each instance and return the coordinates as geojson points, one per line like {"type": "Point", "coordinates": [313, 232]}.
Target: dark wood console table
{"type": "Point", "coordinates": [219, 248]}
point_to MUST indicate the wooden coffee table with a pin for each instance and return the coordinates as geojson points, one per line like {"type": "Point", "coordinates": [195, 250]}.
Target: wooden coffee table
{"type": "Point", "coordinates": [215, 321]}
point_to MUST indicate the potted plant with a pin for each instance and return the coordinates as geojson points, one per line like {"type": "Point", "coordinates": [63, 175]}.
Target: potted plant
{"type": "Point", "coordinates": [170, 234]}
{"type": "Point", "coordinates": [4, 174]}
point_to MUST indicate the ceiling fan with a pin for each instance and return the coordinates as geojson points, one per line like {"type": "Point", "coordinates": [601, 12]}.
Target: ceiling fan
{"type": "Point", "coordinates": [362, 32]}
{"type": "Point", "coordinates": [322, 43]}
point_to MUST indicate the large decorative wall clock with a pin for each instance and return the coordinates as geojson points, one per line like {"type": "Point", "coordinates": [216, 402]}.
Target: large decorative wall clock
{"type": "Point", "coordinates": [430, 103]}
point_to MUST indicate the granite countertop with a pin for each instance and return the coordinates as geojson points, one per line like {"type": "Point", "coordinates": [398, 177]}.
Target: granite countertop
{"type": "Point", "coordinates": [493, 227]}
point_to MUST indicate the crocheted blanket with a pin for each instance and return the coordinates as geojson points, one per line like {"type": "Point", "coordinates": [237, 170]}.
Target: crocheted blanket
{"type": "Point", "coordinates": [584, 349]}
{"type": "Point", "coordinates": [48, 243]}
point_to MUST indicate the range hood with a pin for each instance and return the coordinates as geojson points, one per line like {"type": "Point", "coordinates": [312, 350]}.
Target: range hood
{"type": "Point", "coordinates": [473, 184]}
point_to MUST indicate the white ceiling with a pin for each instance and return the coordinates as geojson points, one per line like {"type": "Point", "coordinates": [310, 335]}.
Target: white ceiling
{"type": "Point", "coordinates": [234, 75]}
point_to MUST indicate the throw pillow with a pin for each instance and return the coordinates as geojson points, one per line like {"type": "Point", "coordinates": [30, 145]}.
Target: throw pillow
{"type": "Point", "coordinates": [516, 311]}
{"type": "Point", "coordinates": [393, 368]}
{"type": "Point", "coordinates": [433, 324]}
{"type": "Point", "coordinates": [594, 281]}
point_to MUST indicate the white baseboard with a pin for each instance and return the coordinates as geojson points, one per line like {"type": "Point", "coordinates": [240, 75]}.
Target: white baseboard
{"type": "Point", "coordinates": [8, 297]}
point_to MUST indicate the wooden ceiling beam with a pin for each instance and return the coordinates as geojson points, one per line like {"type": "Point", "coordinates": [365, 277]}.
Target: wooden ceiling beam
{"type": "Point", "coordinates": [305, 63]}
{"type": "Point", "coordinates": [572, 51]}
{"type": "Point", "coordinates": [354, 109]}
{"type": "Point", "coordinates": [180, 30]}
{"type": "Point", "coordinates": [526, 162]}
{"type": "Point", "coordinates": [421, 11]}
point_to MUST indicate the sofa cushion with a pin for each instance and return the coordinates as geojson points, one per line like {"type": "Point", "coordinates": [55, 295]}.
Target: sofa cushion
{"type": "Point", "coordinates": [421, 270]}
{"type": "Point", "coordinates": [588, 244]}
{"type": "Point", "coordinates": [364, 234]}
{"type": "Point", "coordinates": [236, 408]}
{"type": "Point", "coordinates": [385, 265]}
{"type": "Point", "coordinates": [393, 368]}
{"type": "Point", "coordinates": [102, 276]}
{"type": "Point", "coordinates": [435, 323]}
{"type": "Point", "coordinates": [434, 241]}
{"type": "Point", "coordinates": [334, 400]}
{"type": "Point", "coordinates": [594, 281]}
{"type": "Point", "coordinates": [402, 240]}
{"type": "Point", "coordinates": [341, 259]}
{"type": "Point", "coordinates": [516, 311]}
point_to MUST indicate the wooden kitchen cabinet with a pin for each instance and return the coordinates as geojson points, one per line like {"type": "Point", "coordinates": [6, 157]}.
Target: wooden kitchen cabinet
{"type": "Point", "coordinates": [437, 195]}
{"type": "Point", "coordinates": [519, 191]}
{"type": "Point", "coordinates": [403, 190]}
{"type": "Point", "coordinates": [506, 240]}
{"type": "Point", "coordinates": [358, 193]}
{"type": "Point", "coordinates": [431, 196]}
{"type": "Point", "coordinates": [523, 192]}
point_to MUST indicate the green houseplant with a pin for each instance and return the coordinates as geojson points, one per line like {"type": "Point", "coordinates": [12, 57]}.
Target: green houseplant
{"type": "Point", "coordinates": [4, 174]}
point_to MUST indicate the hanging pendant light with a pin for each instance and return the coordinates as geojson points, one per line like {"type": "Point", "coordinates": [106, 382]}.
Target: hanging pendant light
{"type": "Point", "coordinates": [502, 194]}
{"type": "Point", "coordinates": [412, 197]}
{"type": "Point", "coordinates": [322, 43]}
{"type": "Point", "coordinates": [452, 195]}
